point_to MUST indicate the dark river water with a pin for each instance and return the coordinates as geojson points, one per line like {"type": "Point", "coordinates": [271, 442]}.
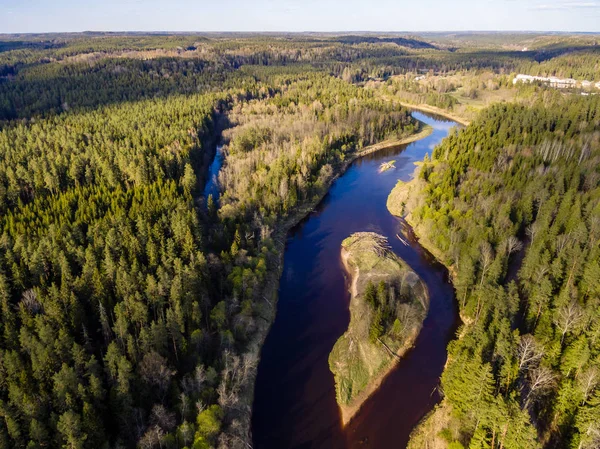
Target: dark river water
{"type": "Point", "coordinates": [212, 182]}
{"type": "Point", "coordinates": [295, 404]}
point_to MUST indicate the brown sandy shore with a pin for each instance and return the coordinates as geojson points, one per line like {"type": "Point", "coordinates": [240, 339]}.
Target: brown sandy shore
{"type": "Point", "coordinates": [437, 111]}
{"type": "Point", "coordinates": [270, 290]}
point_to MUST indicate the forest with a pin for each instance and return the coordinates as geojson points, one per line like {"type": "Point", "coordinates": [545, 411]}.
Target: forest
{"type": "Point", "coordinates": [130, 305]}
{"type": "Point", "coordinates": [127, 307]}
{"type": "Point", "coordinates": [512, 204]}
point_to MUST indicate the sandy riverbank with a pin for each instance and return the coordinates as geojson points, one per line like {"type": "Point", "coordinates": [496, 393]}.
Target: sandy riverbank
{"type": "Point", "coordinates": [437, 111]}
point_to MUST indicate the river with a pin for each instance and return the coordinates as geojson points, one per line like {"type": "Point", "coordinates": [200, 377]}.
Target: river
{"type": "Point", "coordinates": [294, 405]}
{"type": "Point", "coordinates": [211, 186]}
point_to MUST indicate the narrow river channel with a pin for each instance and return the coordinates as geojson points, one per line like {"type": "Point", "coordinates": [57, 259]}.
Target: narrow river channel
{"type": "Point", "coordinates": [211, 188]}
{"type": "Point", "coordinates": [295, 404]}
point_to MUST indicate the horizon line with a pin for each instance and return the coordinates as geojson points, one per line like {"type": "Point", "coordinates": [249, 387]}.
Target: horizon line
{"type": "Point", "coordinates": [473, 31]}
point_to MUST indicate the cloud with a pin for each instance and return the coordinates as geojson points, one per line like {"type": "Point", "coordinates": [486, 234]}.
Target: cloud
{"type": "Point", "coordinates": [566, 5]}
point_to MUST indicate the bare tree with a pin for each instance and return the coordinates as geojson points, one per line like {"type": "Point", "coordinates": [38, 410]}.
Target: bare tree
{"type": "Point", "coordinates": [106, 331]}
{"type": "Point", "coordinates": [163, 418]}
{"type": "Point", "coordinates": [152, 438]}
{"type": "Point", "coordinates": [407, 317]}
{"type": "Point", "coordinates": [325, 174]}
{"type": "Point", "coordinates": [541, 379]}
{"type": "Point", "coordinates": [513, 244]}
{"type": "Point", "coordinates": [186, 431]}
{"type": "Point", "coordinates": [155, 371]}
{"type": "Point", "coordinates": [561, 242]}
{"type": "Point", "coordinates": [591, 437]}
{"type": "Point", "coordinates": [528, 351]}
{"type": "Point", "coordinates": [455, 240]}
{"type": "Point", "coordinates": [540, 273]}
{"type": "Point", "coordinates": [194, 383]}
{"type": "Point", "coordinates": [486, 258]}
{"type": "Point", "coordinates": [594, 228]}
{"type": "Point", "coordinates": [486, 204]}
{"type": "Point", "coordinates": [532, 231]}
{"type": "Point", "coordinates": [568, 318]}
{"type": "Point", "coordinates": [29, 301]}
{"type": "Point", "coordinates": [236, 373]}
{"type": "Point", "coordinates": [235, 436]}
{"type": "Point", "coordinates": [283, 188]}
{"type": "Point", "coordinates": [587, 382]}
{"type": "Point", "coordinates": [199, 377]}
{"type": "Point", "coordinates": [183, 405]}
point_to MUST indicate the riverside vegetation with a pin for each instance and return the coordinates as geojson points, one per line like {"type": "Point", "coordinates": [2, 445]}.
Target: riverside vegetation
{"type": "Point", "coordinates": [388, 305]}
{"type": "Point", "coordinates": [512, 205]}
{"type": "Point", "coordinates": [130, 315]}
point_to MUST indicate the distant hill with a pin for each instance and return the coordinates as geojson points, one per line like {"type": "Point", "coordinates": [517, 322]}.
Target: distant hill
{"type": "Point", "coordinates": [401, 41]}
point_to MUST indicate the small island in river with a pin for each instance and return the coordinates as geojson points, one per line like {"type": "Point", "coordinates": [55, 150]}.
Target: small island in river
{"type": "Point", "coordinates": [388, 305]}
{"type": "Point", "coordinates": [385, 166]}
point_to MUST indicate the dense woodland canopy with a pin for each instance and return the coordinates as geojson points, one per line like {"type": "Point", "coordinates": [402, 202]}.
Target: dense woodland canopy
{"type": "Point", "coordinates": [126, 311]}
{"type": "Point", "coordinates": [104, 284]}
{"type": "Point", "coordinates": [303, 134]}
{"type": "Point", "coordinates": [513, 205]}
{"type": "Point", "coordinates": [127, 307]}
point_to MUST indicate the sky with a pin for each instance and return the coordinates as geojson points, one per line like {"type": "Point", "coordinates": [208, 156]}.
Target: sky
{"type": "Point", "coordinates": [34, 16]}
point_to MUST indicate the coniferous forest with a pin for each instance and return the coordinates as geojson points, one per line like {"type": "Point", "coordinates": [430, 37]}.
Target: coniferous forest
{"type": "Point", "coordinates": [132, 308]}
{"type": "Point", "coordinates": [511, 203]}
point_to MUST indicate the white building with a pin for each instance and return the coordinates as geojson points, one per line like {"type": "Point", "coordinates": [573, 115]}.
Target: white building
{"type": "Point", "coordinates": [552, 81]}
{"type": "Point", "coordinates": [561, 83]}
{"type": "Point", "coordinates": [524, 79]}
